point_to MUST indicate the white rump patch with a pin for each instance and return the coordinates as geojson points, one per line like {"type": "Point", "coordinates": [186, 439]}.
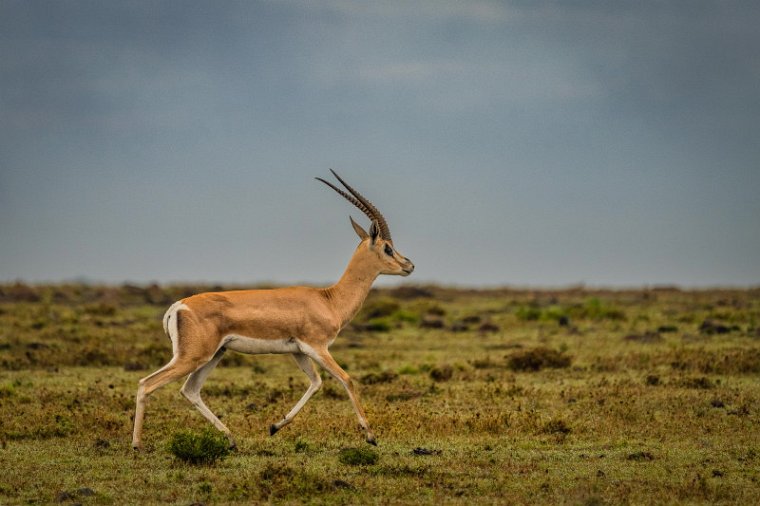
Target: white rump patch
{"type": "Point", "coordinates": [170, 323]}
{"type": "Point", "coordinates": [257, 346]}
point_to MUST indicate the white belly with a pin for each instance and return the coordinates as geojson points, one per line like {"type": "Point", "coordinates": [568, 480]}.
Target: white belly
{"type": "Point", "coordinates": [255, 346]}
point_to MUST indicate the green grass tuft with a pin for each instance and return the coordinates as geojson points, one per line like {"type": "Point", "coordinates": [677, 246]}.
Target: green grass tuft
{"type": "Point", "coordinates": [358, 456]}
{"type": "Point", "coordinates": [194, 448]}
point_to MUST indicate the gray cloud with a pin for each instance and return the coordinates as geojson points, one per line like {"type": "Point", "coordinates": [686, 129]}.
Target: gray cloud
{"type": "Point", "coordinates": [532, 142]}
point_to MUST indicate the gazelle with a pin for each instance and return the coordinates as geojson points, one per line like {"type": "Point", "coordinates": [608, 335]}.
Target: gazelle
{"type": "Point", "coordinates": [301, 321]}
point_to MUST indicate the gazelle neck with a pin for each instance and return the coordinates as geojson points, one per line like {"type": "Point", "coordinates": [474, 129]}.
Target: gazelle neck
{"type": "Point", "coordinates": [348, 294]}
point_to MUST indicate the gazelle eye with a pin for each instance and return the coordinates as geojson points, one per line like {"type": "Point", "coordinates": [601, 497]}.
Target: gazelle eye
{"type": "Point", "coordinates": [388, 250]}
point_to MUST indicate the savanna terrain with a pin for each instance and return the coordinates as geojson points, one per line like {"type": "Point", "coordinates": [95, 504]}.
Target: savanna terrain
{"type": "Point", "coordinates": [501, 396]}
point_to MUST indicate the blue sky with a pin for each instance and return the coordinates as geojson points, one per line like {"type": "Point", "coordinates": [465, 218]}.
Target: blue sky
{"type": "Point", "coordinates": [522, 143]}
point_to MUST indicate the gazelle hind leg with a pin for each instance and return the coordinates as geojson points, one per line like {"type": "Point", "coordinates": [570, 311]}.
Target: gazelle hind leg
{"type": "Point", "coordinates": [192, 392]}
{"type": "Point", "coordinates": [172, 371]}
{"type": "Point", "coordinates": [326, 361]}
{"type": "Point", "coordinates": [315, 384]}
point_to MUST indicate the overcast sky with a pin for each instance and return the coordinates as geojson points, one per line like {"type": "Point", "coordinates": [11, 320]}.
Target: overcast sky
{"type": "Point", "coordinates": [516, 142]}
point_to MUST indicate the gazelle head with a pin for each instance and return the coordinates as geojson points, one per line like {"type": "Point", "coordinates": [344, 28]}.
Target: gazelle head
{"type": "Point", "coordinates": [376, 245]}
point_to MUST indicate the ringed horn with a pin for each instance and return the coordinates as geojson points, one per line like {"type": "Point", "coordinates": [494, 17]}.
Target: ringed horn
{"type": "Point", "coordinates": [363, 204]}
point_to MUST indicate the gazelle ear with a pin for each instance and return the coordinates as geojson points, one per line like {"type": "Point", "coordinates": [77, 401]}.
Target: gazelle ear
{"type": "Point", "coordinates": [358, 229]}
{"type": "Point", "coordinates": [374, 232]}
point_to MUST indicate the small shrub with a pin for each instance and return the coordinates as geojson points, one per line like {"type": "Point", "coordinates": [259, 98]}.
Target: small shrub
{"type": "Point", "coordinates": [408, 369]}
{"type": "Point", "coordinates": [484, 363]}
{"type": "Point", "coordinates": [653, 380]}
{"type": "Point", "coordinates": [383, 314]}
{"type": "Point", "coordinates": [459, 326]}
{"type": "Point", "coordinates": [7, 390]}
{"type": "Point", "coordinates": [342, 484]}
{"type": "Point", "coordinates": [278, 481]}
{"type": "Point", "coordinates": [94, 356]}
{"type": "Point", "coordinates": [274, 395]}
{"type": "Point", "coordinates": [528, 313]}
{"type": "Point", "coordinates": [596, 309]}
{"type": "Point", "coordinates": [135, 366]}
{"type": "Point", "coordinates": [432, 322]}
{"type": "Point", "coordinates": [558, 314]}
{"type": "Point", "coordinates": [204, 448]}
{"type": "Point", "coordinates": [713, 327]}
{"type": "Point", "coordinates": [358, 456]}
{"type": "Point", "coordinates": [405, 316]}
{"type": "Point", "coordinates": [301, 446]}
{"type": "Point", "coordinates": [205, 488]}
{"type": "Point", "coordinates": [556, 427]}
{"type": "Point", "coordinates": [436, 310]}
{"type": "Point", "coordinates": [63, 426]}
{"type": "Point", "coordinates": [381, 324]}
{"type": "Point", "coordinates": [641, 456]}
{"type": "Point", "coordinates": [442, 373]}
{"type": "Point", "coordinates": [701, 382]}
{"type": "Point", "coordinates": [378, 377]}
{"type": "Point", "coordinates": [487, 327]}
{"type": "Point", "coordinates": [331, 392]}
{"type": "Point", "coordinates": [537, 359]}
{"type": "Point", "coordinates": [379, 308]}
{"type": "Point", "coordinates": [533, 312]}
{"type": "Point", "coordinates": [258, 368]}
{"type": "Point", "coordinates": [425, 451]}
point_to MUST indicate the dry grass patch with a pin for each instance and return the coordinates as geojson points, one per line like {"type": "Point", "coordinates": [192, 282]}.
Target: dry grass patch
{"type": "Point", "coordinates": [583, 404]}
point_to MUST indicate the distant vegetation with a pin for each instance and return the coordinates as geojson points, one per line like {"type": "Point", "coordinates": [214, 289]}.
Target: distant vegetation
{"type": "Point", "coordinates": [570, 396]}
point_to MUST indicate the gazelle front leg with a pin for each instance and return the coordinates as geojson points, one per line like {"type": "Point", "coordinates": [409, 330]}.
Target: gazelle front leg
{"type": "Point", "coordinates": [326, 361]}
{"type": "Point", "coordinates": [315, 384]}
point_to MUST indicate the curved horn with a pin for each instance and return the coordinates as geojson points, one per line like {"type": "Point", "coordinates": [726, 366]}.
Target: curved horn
{"type": "Point", "coordinates": [362, 203]}
{"type": "Point", "coordinates": [374, 214]}
{"type": "Point", "coordinates": [348, 197]}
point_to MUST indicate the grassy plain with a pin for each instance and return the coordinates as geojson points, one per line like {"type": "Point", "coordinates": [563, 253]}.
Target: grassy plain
{"type": "Point", "coordinates": [497, 396]}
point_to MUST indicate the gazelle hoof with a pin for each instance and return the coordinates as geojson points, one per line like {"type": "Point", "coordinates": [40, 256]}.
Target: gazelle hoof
{"type": "Point", "coordinates": [273, 429]}
{"type": "Point", "coordinates": [371, 440]}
